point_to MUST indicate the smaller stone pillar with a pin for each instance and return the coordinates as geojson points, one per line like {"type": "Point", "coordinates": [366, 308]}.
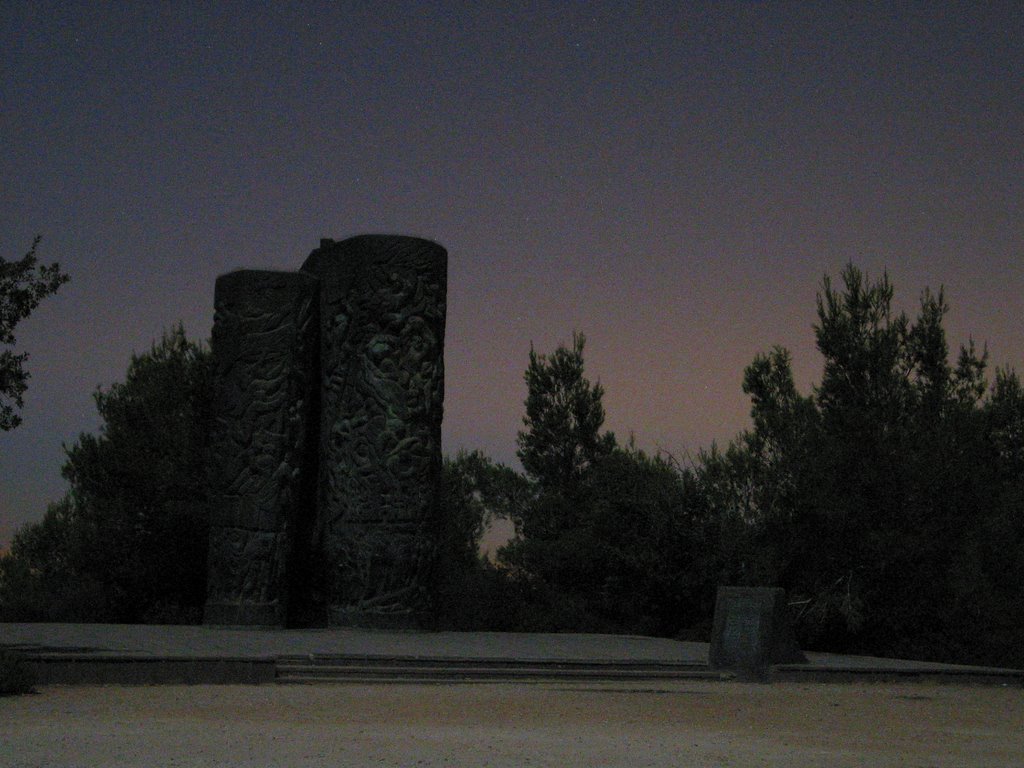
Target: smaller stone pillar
{"type": "Point", "coordinates": [262, 454]}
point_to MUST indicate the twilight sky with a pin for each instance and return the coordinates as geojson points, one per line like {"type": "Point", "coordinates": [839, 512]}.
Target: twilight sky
{"type": "Point", "coordinates": [673, 183]}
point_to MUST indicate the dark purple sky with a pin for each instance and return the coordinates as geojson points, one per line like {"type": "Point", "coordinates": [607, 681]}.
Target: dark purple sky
{"type": "Point", "coordinates": [673, 183]}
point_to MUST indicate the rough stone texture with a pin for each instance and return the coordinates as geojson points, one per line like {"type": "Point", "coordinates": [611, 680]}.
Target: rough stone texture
{"type": "Point", "coordinates": [752, 630]}
{"type": "Point", "coordinates": [382, 310]}
{"type": "Point", "coordinates": [262, 465]}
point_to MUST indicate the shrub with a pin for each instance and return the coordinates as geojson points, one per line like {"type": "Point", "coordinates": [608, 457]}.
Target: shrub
{"type": "Point", "coordinates": [16, 676]}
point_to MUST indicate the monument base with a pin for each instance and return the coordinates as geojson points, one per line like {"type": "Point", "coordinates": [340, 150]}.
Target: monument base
{"type": "Point", "coordinates": [254, 615]}
{"type": "Point", "coordinates": [340, 616]}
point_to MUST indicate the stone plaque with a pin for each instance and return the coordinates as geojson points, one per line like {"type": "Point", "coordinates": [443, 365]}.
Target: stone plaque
{"type": "Point", "coordinates": [742, 631]}
{"type": "Point", "coordinates": [752, 630]}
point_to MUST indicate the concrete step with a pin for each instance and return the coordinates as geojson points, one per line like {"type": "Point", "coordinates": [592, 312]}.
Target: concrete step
{"type": "Point", "coordinates": [293, 670]}
{"type": "Point", "coordinates": [484, 672]}
{"type": "Point", "coordinates": [419, 662]}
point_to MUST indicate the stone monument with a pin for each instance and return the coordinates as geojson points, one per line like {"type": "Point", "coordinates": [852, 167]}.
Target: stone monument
{"type": "Point", "coordinates": [262, 468]}
{"type": "Point", "coordinates": [382, 323]}
{"type": "Point", "coordinates": [325, 456]}
{"type": "Point", "coordinates": [752, 631]}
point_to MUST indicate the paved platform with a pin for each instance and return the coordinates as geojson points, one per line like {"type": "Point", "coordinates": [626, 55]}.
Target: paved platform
{"type": "Point", "coordinates": [212, 642]}
{"type": "Point", "coordinates": [97, 653]}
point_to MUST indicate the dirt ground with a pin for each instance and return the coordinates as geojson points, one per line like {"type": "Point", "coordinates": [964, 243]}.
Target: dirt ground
{"type": "Point", "coordinates": [554, 724]}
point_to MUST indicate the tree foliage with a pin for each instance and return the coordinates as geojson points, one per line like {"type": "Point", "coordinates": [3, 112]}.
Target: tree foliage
{"type": "Point", "coordinates": [130, 541]}
{"type": "Point", "coordinates": [874, 499]}
{"type": "Point", "coordinates": [475, 491]}
{"type": "Point", "coordinates": [602, 536]}
{"type": "Point", "coordinates": [23, 285]}
{"type": "Point", "coordinates": [45, 576]}
{"type": "Point", "coordinates": [469, 592]}
{"type": "Point", "coordinates": [563, 419]}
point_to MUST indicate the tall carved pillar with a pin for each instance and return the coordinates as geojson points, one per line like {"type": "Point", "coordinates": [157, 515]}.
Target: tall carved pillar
{"type": "Point", "coordinates": [382, 322]}
{"type": "Point", "coordinates": [262, 446]}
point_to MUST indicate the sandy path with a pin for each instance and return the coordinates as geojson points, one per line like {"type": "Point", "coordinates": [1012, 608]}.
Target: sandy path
{"type": "Point", "coordinates": [692, 724]}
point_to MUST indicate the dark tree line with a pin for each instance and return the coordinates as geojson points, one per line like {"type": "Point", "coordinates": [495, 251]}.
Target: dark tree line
{"type": "Point", "coordinates": [888, 502]}
{"type": "Point", "coordinates": [128, 542]}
